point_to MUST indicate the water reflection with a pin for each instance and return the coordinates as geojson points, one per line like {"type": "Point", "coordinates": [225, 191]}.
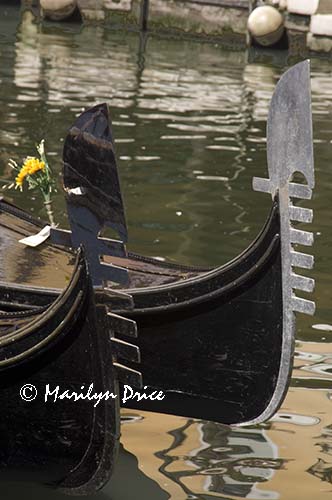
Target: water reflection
{"type": "Point", "coordinates": [55, 77]}
{"type": "Point", "coordinates": [322, 469]}
{"type": "Point", "coordinates": [203, 459]}
{"type": "Point", "coordinates": [195, 459]}
{"type": "Point", "coordinates": [225, 462]}
{"type": "Point", "coordinates": [189, 120]}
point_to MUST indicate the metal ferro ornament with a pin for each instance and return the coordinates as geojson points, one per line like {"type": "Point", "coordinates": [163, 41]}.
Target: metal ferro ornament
{"type": "Point", "coordinates": [289, 152]}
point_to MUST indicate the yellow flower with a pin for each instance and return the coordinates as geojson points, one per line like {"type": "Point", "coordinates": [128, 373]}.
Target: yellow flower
{"type": "Point", "coordinates": [29, 167]}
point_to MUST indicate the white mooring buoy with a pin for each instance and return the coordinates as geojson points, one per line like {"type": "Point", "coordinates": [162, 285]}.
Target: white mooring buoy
{"type": "Point", "coordinates": [266, 25]}
{"type": "Point", "coordinates": [57, 10]}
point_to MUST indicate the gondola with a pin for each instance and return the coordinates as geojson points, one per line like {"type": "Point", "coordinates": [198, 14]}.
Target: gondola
{"type": "Point", "coordinates": [47, 352]}
{"type": "Point", "coordinates": [218, 342]}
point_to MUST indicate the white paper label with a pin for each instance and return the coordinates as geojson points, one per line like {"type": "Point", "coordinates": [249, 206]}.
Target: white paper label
{"type": "Point", "coordinates": [78, 190]}
{"type": "Point", "coordinates": [37, 239]}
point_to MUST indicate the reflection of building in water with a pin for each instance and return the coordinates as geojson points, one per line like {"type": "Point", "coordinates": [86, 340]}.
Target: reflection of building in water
{"type": "Point", "coordinates": [260, 81]}
{"type": "Point", "coordinates": [322, 470]}
{"type": "Point", "coordinates": [304, 441]}
{"type": "Point", "coordinates": [203, 458]}
{"type": "Point", "coordinates": [325, 442]}
{"type": "Point", "coordinates": [28, 64]}
{"type": "Point", "coordinates": [192, 459]}
{"type": "Point", "coordinates": [227, 462]}
{"type": "Point", "coordinates": [323, 467]}
{"type": "Point", "coordinates": [50, 65]}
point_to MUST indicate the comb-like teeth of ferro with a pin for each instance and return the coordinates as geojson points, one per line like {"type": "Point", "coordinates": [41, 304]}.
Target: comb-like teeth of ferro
{"type": "Point", "coordinates": [125, 350]}
{"type": "Point", "coordinates": [297, 236]}
{"type": "Point", "coordinates": [261, 184]}
{"type": "Point", "coordinates": [128, 376]}
{"type": "Point", "coordinates": [299, 191]}
{"type": "Point", "coordinates": [301, 237]}
{"type": "Point", "coordinates": [302, 283]}
{"type": "Point", "coordinates": [300, 214]}
{"type": "Point", "coordinates": [122, 326]}
{"type": "Point", "coordinates": [303, 305]}
{"type": "Point", "coordinates": [119, 325]}
{"type": "Point", "coordinates": [295, 190]}
{"type": "Point", "coordinates": [299, 259]}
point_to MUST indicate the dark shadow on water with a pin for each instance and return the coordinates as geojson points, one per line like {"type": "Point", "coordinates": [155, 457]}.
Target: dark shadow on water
{"type": "Point", "coordinates": [117, 489]}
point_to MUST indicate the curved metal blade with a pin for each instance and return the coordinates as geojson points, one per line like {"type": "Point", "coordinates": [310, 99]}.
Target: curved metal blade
{"type": "Point", "coordinates": [289, 127]}
{"type": "Point", "coordinates": [289, 133]}
{"type": "Point", "coordinates": [90, 173]}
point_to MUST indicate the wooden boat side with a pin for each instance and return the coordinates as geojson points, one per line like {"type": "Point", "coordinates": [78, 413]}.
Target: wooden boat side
{"type": "Point", "coordinates": [69, 444]}
{"type": "Point", "coordinates": [42, 329]}
{"type": "Point", "coordinates": [217, 355]}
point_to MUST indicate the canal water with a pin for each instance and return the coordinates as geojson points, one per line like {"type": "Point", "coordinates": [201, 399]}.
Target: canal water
{"type": "Point", "coordinates": [189, 120]}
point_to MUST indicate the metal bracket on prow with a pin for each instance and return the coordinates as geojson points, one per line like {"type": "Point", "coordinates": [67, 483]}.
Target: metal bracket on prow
{"type": "Point", "coordinates": [290, 151]}
{"type": "Point", "coordinates": [122, 333]}
{"type": "Point", "coordinates": [124, 350]}
{"type": "Point", "coordinates": [85, 227]}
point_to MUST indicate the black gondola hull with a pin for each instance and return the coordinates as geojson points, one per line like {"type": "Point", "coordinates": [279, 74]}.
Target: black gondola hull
{"type": "Point", "coordinates": [48, 435]}
{"type": "Point", "coordinates": [212, 342]}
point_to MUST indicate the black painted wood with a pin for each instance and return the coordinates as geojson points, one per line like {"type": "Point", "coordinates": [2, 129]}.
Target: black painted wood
{"type": "Point", "coordinates": [69, 444]}
{"type": "Point", "coordinates": [212, 342]}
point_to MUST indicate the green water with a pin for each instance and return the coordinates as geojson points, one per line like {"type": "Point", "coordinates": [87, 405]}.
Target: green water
{"type": "Point", "coordinates": [189, 122]}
